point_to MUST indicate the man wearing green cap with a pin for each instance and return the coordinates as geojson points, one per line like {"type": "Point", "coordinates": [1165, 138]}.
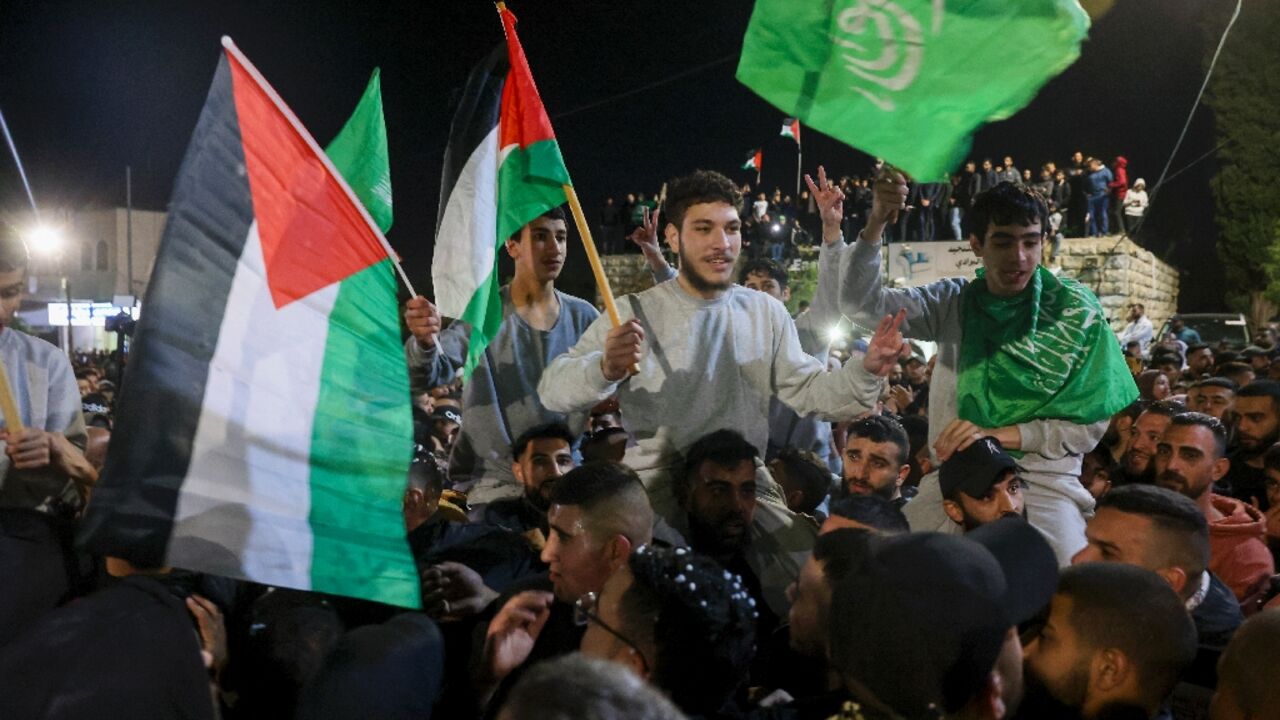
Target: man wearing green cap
{"type": "Point", "coordinates": [1024, 357]}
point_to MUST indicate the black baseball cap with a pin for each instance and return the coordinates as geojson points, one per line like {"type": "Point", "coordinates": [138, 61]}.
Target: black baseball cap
{"type": "Point", "coordinates": [448, 413]}
{"type": "Point", "coordinates": [948, 594]}
{"type": "Point", "coordinates": [1028, 562]}
{"type": "Point", "coordinates": [975, 469]}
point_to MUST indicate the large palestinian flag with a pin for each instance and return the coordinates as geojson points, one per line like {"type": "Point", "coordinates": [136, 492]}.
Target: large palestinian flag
{"type": "Point", "coordinates": [502, 169]}
{"type": "Point", "coordinates": [264, 429]}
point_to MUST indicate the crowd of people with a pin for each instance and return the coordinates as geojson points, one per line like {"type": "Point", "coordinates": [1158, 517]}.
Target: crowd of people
{"type": "Point", "coordinates": [1085, 197]}
{"type": "Point", "coordinates": [701, 512]}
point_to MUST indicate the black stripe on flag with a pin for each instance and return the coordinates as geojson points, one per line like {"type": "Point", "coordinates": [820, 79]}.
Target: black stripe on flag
{"type": "Point", "coordinates": [132, 510]}
{"type": "Point", "coordinates": [476, 116]}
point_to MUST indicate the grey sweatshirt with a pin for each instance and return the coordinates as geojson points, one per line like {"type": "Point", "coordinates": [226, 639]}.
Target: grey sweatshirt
{"type": "Point", "coordinates": [709, 365]}
{"type": "Point", "coordinates": [500, 400]}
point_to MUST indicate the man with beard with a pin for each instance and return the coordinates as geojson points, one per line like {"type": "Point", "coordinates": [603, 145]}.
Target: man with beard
{"type": "Point", "coordinates": [1137, 465]}
{"type": "Point", "coordinates": [500, 399]}
{"type": "Point", "coordinates": [1165, 532]}
{"type": "Point", "coordinates": [1199, 361]}
{"type": "Point", "coordinates": [1257, 409]}
{"type": "Point", "coordinates": [1115, 642]}
{"type": "Point", "coordinates": [542, 454]}
{"type": "Point", "coordinates": [876, 459]}
{"type": "Point", "coordinates": [1189, 461]}
{"type": "Point", "coordinates": [980, 485]}
{"type": "Point", "coordinates": [711, 354]}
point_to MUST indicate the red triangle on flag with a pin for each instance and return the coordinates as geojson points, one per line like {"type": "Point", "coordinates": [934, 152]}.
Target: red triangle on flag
{"type": "Point", "coordinates": [313, 232]}
{"type": "Point", "coordinates": [524, 118]}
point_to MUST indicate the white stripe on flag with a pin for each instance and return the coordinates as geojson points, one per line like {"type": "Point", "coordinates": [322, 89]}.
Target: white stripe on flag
{"type": "Point", "coordinates": [243, 507]}
{"type": "Point", "coordinates": [466, 245]}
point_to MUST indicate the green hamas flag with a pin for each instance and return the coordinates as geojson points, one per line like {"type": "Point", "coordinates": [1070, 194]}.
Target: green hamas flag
{"type": "Point", "coordinates": [359, 152]}
{"type": "Point", "coordinates": [907, 80]}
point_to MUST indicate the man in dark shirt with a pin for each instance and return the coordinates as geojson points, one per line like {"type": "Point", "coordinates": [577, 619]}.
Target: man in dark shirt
{"type": "Point", "coordinates": [1257, 411]}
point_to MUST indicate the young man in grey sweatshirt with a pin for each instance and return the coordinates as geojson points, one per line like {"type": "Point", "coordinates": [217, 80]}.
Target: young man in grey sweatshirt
{"type": "Point", "coordinates": [711, 354]}
{"type": "Point", "coordinates": [500, 399]}
{"type": "Point", "coordinates": [1069, 373]}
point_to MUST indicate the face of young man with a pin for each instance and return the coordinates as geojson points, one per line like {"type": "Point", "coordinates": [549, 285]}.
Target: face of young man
{"type": "Point", "coordinates": [1210, 400]}
{"type": "Point", "coordinates": [917, 372]}
{"type": "Point", "coordinates": [721, 505]}
{"type": "Point", "coordinates": [872, 468]}
{"type": "Point", "coordinates": [1256, 428]}
{"type": "Point", "coordinates": [1114, 536]}
{"type": "Point", "coordinates": [543, 462]}
{"type": "Point", "coordinates": [1010, 254]}
{"type": "Point", "coordinates": [1056, 660]}
{"type": "Point", "coordinates": [708, 242]}
{"type": "Point", "coordinates": [1187, 462]}
{"type": "Point", "coordinates": [810, 598]}
{"type": "Point", "coordinates": [1144, 441]}
{"type": "Point", "coordinates": [1198, 361]}
{"type": "Point", "coordinates": [11, 287]}
{"type": "Point", "coordinates": [540, 251]}
{"type": "Point", "coordinates": [766, 284]}
{"type": "Point", "coordinates": [1004, 499]}
{"type": "Point", "coordinates": [575, 558]}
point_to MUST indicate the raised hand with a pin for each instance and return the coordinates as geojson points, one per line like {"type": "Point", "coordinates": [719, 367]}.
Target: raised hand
{"type": "Point", "coordinates": [451, 591]}
{"type": "Point", "coordinates": [514, 630]}
{"type": "Point", "coordinates": [830, 200]}
{"type": "Point", "coordinates": [645, 236]}
{"type": "Point", "coordinates": [888, 197]}
{"type": "Point", "coordinates": [623, 348]}
{"type": "Point", "coordinates": [886, 346]}
{"type": "Point", "coordinates": [423, 320]}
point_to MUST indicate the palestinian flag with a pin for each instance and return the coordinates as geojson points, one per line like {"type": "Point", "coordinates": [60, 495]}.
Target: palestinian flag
{"type": "Point", "coordinates": [502, 169]}
{"type": "Point", "coordinates": [791, 129]}
{"type": "Point", "coordinates": [264, 431]}
{"type": "Point", "coordinates": [755, 160]}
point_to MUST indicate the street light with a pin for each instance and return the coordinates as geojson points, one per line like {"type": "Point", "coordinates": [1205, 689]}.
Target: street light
{"type": "Point", "coordinates": [46, 240]}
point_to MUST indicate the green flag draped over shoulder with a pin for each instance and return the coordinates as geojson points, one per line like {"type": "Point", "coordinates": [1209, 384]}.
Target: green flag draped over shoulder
{"type": "Point", "coordinates": [359, 152]}
{"type": "Point", "coordinates": [1045, 353]}
{"type": "Point", "coordinates": [907, 80]}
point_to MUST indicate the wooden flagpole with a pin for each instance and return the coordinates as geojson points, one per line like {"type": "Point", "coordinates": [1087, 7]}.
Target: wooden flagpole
{"type": "Point", "coordinates": [8, 406]}
{"type": "Point", "coordinates": [593, 257]}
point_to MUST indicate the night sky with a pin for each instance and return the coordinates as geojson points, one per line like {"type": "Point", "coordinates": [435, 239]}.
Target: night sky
{"type": "Point", "coordinates": [90, 87]}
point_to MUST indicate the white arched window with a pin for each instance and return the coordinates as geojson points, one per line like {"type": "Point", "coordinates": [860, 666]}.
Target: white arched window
{"type": "Point", "coordinates": [102, 255]}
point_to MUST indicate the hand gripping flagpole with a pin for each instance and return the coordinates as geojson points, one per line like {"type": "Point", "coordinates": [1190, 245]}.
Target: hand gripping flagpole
{"type": "Point", "coordinates": [12, 418]}
{"type": "Point", "coordinates": [593, 257]}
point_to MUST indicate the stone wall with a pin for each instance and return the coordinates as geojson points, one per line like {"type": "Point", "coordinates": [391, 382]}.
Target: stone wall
{"type": "Point", "coordinates": [1121, 273]}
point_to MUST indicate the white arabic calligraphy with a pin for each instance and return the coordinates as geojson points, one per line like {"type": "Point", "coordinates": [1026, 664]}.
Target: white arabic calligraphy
{"type": "Point", "coordinates": [898, 35]}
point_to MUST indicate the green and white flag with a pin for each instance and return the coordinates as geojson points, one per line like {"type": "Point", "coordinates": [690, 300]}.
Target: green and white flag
{"type": "Point", "coordinates": [907, 80]}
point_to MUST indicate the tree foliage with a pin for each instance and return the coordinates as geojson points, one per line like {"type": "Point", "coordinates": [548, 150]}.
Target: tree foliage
{"type": "Point", "coordinates": [1244, 95]}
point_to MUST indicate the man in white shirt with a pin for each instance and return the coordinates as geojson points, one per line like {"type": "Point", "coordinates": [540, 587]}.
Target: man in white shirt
{"type": "Point", "coordinates": [1139, 328]}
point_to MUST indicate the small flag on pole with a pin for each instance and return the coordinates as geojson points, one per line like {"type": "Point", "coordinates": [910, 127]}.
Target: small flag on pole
{"type": "Point", "coordinates": [502, 169]}
{"type": "Point", "coordinates": [791, 129]}
{"type": "Point", "coordinates": [754, 160]}
{"type": "Point", "coordinates": [265, 432]}
{"type": "Point", "coordinates": [918, 76]}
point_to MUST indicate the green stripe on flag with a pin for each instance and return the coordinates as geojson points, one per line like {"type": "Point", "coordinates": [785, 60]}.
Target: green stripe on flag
{"type": "Point", "coordinates": [361, 447]}
{"type": "Point", "coordinates": [530, 182]}
{"type": "Point", "coordinates": [360, 153]}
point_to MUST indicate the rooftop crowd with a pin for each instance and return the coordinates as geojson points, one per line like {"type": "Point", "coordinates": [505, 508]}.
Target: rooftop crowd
{"type": "Point", "coordinates": [703, 512]}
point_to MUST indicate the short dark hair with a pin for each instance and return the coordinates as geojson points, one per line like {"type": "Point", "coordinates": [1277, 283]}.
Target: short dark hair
{"type": "Point", "coordinates": [611, 497]}
{"type": "Point", "coordinates": [703, 186]}
{"type": "Point", "coordinates": [1247, 668]}
{"type": "Point", "coordinates": [1175, 516]}
{"type": "Point", "coordinates": [1219, 382]}
{"type": "Point", "coordinates": [576, 686]}
{"type": "Point", "coordinates": [1228, 369]}
{"type": "Point", "coordinates": [726, 448]}
{"type": "Point", "coordinates": [1134, 610]}
{"type": "Point", "coordinates": [1197, 347]}
{"type": "Point", "coordinates": [555, 213]}
{"type": "Point", "coordinates": [841, 552]}
{"type": "Point", "coordinates": [763, 266]}
{"type": "Point", "coordinates": [809, 473]}
{"type": "Point", "coordinates": [1006, 204]}
{"type": "Point", "coordinates": [13, 251]}
{"type": "Point", "coordinates": [1213, 424]}
{"type": "Point", "coordinates": [871, 511]}
{"type": "Point", "coordinates": [1165, 408]}
{"type": "Point", "coordinates": [703, 623]}
{"type": "Point", "coordinates": [544, 431]}
{"type": "Point", "coordinates": [882, 429]}
{"type": "Point", "coordinates": [1262, 388]}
